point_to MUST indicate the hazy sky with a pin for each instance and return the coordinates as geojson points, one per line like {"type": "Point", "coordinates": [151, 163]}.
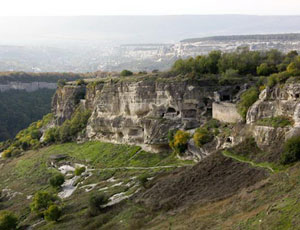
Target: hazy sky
{"type": "Point", "coordinates": [147, 7]}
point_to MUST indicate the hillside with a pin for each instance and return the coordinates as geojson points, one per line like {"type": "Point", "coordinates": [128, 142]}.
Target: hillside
{"type": "Point", "coordinates": [192, 148]}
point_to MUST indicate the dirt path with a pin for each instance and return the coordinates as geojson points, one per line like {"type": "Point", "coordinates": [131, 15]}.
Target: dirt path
{"type": "Point", "coordinates": [146, 168]}
{"type": "Point", "coordinates": [227, 154]}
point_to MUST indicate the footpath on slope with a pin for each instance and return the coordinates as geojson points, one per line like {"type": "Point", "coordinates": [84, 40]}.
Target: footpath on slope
{"type": "Point", "coordinates": [227, 153]}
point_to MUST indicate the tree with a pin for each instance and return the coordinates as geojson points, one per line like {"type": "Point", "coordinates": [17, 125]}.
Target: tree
{"type": "Point", "coordinates": [179, 143]}
{"type": "Point", "coordinates": [41, 201]}
{"type": "Point", "coordinates": [291, 151]}
{"type": "Point", "coordinates": [202, 136]}
{"type": "Point", "coordinates": [126, 73]}
{"type": "Point", "coordinates": [53, 213]}
{"type": "Point", "coordinates": [247, 99]}
{"type": "Point", "coordinates": [8, 221]}
{"type": "Point", "coordinates": [57, 180]}
{"type": "Point", "coordinates": [264, 70]}
{"type": "Point", "coordinates": [96, 202]}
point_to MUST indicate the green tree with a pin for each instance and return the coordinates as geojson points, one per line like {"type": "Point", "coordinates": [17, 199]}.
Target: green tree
{"type": "Point", "coordinates": [248, 98]}
{"type": "Point", "coordinates": [41, 201]}
{"type": "Point", "coordinates": [202, 136]}
{"type": "Point", "coordinates": [96, 202]}
{"type": "Point", "coordinates": [264, 70]}
{"type": "Point", "coordinates": [291, 151]}
{"type": "Point", "coordinates": [57, 180]}
{"type": "Point", "coordinates": [126, 73]}
{"type": "Point", "coordinates": [53, 213]}
{"type": "Point", "coordinates": [8, 221]}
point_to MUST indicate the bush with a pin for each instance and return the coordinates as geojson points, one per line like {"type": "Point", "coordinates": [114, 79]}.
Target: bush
{"type": "Point", "coordinates": [280, 121]}
{"type": "Point", "coordinates": [202, 136]}
{"type": "Point", "coordinates": [126, 73]}
{"type": "Point", "coordinates": [143, 179]}
{"type": "Point", "coordinates": [79, 171]}
{"type": "Point", "coordinates": [291, 151]}
{"type": "Point", "coordinates": [95, 203]}
{"type": "Point", "coordinates": [248, 98]}
{"type": "Point", "coordinates": [57, 180]}
{"type": "Point", "coordinates": [61, 83]}
{"type": "Point", "coordinates": [180, 140]}
{"type": "Point", "coordinates": [53, 213]}
{"type": "Point", "coordinates": [80, 82]}
{"type": "Point", "coordinates": [8, 221]}
{"type": "Point", "coordinates": [41, 201]}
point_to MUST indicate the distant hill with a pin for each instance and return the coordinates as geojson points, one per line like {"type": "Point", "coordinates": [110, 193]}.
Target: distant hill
{"type": "Point", "coordinates": [87, 30]}
{"type": "Point", "coordinates": [262, 37]}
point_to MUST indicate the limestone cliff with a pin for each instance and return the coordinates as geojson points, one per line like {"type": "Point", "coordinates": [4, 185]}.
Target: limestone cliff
{"type": "Point", "coordinates": [138, 111]}
{"type": "Point", "coordinates": [281, 100]}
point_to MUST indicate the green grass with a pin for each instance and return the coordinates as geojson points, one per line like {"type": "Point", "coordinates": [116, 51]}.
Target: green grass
{"type": "Point", "coordinates": [276, 122]}
{"type": "Point", "coordinates": [272, 167]}
{"type": "Point", "coordinates": [31, 171]}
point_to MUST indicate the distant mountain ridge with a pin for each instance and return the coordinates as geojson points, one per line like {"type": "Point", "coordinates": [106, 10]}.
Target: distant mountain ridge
{"type": "Point", "coordinates": [266, 37]}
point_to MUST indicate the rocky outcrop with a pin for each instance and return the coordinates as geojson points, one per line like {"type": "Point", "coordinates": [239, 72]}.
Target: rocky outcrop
{"type": "Point", "coordinates": [65, 101]}
{"type": "Point", "coordinates": [137, 112]}
{"type": "Point", "coordinates": [277, 101]}
{"type": "Point", "coordinates": [226, 112]}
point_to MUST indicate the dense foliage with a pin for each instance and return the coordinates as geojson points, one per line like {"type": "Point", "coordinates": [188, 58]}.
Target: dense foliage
{"type": "Point", "coordinates": [242, 64]}
{"type": "Point", "coordinates": [42, 201]}
{"type": "Point", "coordinates": [53, 213]}
{"type": "Point", "coordinates": [202, 136]}
{"type": "Point", "coordinates": [27, 138]}
{"type": "Point", "coordinates": [96, 202]}
{"type": "Point", "coordinates": [178, 140]}
{"type": "Point", "coordinates": [247, 99]}
{"type": "Point", "coordinates": [291, 151]}
{"type": "Point", "coordinates": [126, 73]}
{"type": "Point", "coordinates": [8, 221]}
{"type": "Point", "coordinates": [280, 121]}
{"type": "Point", "coordinates": [57, 180]}
{"type": "Point", "coordinates": [25, 77]}
{"type": "Point", "coordinates": [19, 109]}
{"type": "Point", "coordinates": [69, 129]}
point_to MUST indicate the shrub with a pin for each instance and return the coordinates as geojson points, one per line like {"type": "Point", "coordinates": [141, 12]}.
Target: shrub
{"type": "Point", "coordinates": [7, 153]}
{"type": "Point", "coordinates": [180, 140]}
{"type": "Point", "coordinates": [61, 83]}
{"type": "Point", "coordinates": [265, 70]}
{"type": "Point", "coordinates": [143, 179]}
{"type": "Point", "coordinates": [41, 201]}
{"type": "Point", "coordinates": [126, 73]}
{"type": "Point", "coordinates": [51, 135]}
{"type": "Point", "coordinates": [280, 121]}
{"type": "Point", "coordinates": [79, 171]}
{"type": "Point", "coordinates": [202, 136]}
{"type": "Point", "coordinates": [57, 180]}
{"type": "Point", "coordinates": [53, 213]}
{"type": "Point", "coordinates": [247, 99]}
{"type": "Point", "coordinates": [8, 221]}
{"type": "Point", "coordinates": [95, 203]}
{"type": "Point", "coordinates": [80, 82]}
{"type": "Point", "coordinates": [291, 151]}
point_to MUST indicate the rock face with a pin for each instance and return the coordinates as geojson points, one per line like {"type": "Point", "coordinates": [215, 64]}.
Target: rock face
{"type": "Point", "coordinates": [65, 102]}
{"type": "Point", "coordinates": [137, 112]}
{"type": "Point", "coordinates": [278, 101]}
{"type": "Point", "coordinates": [226, 112]}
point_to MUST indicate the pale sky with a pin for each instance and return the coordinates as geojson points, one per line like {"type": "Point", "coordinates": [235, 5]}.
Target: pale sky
{"type": "Point", "coordinates": [147, 7]}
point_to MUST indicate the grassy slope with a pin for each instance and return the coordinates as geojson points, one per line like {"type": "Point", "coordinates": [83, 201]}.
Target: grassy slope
{"type": "Point", "coordinates": [270, 204]}
{"type": "Point", "coordinates": [30, 173]}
